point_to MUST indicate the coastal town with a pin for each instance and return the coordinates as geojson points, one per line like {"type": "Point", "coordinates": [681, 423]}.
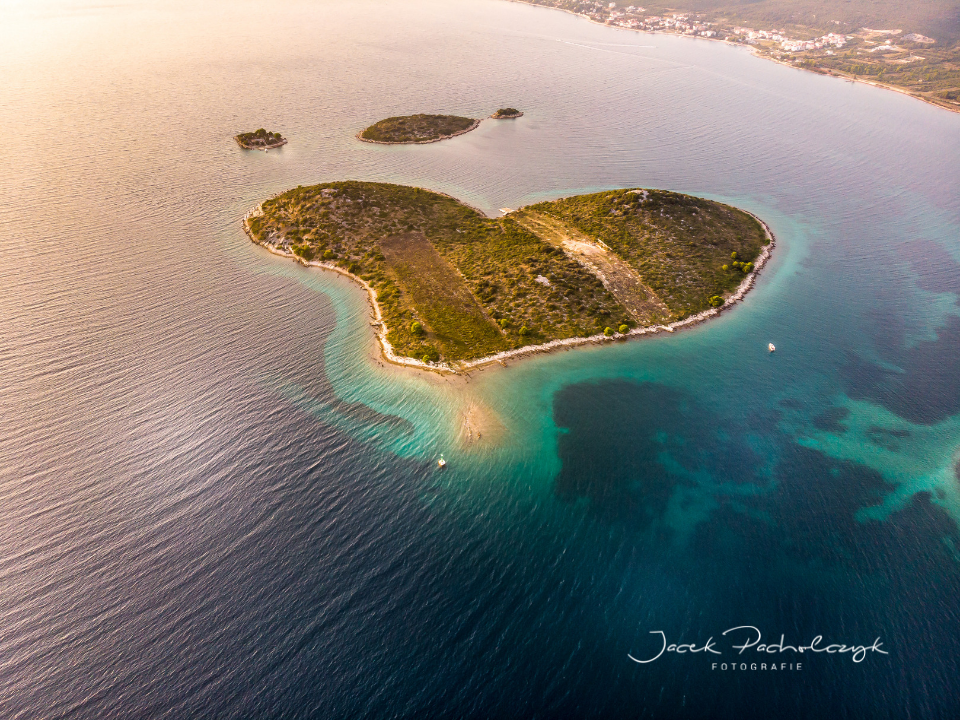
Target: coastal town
{"type": "Point", "coordinates": [635, 17]}
{"type": "Point", "coordinates": [909, 62]}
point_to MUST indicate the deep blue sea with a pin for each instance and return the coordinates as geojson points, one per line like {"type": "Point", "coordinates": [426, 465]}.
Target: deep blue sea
{"type": "Point", "coordinates": [216, 503]}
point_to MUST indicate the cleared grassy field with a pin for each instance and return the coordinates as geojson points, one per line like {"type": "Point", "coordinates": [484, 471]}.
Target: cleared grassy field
{"type": "Point", "coordinates": [456, 322]}
{"type": "Point", "coordinates": [477, 285]}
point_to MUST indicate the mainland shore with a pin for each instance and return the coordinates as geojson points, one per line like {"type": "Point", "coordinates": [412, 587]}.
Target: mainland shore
{"type": "Point", "coordinates": [753, 51]}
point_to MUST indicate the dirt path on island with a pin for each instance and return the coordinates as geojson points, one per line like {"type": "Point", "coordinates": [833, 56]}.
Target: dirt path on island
{"type": "Point", "coordinates": [623, 282]}
{"type": "Point", "coordinates": [454, 319]}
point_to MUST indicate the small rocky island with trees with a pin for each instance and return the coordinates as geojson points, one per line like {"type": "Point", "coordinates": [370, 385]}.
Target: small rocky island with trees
{"type": "Point", "coordinates": [506, 114]}
{"type": "Point", "coordinates": [260, 140]}
{"type": "Point", "coordinates": [453, 285]}
{"type": "Point", "coordinates": [416, 129]}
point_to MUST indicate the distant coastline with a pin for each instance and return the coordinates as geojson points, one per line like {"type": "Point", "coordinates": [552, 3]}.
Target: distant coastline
{"type": "Point", "coordinates": [755, 51]}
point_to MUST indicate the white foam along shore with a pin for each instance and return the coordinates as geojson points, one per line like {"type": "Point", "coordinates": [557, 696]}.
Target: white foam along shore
{"type": "Point", "coordinates": [476, 124]}
{"type": "Point", "coordinates": [500, 358]}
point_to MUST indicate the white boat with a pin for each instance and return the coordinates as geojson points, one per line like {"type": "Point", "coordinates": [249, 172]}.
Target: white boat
{"type": "Point", "coordinates": [771, 347]}
{"type": "Point", "coordinates": [441, 463]}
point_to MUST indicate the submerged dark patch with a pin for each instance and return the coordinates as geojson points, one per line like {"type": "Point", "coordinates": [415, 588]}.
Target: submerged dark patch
{"type": "Point", "coordinates": [927, 390]}
{"type": "Point", "coordinates": [367, 416]}
{"type": "Point", "coordinates": [817, 500]}
{"type": "Point", "coordinates": [936, 269]}
{"type": "Point", "coordinates": [887, 439]}
{"type": "Point", "coordinates": [812, 519]}
{"type": "Point", "coordinates": [629, 446]}
{"type": "Point", "coordinates": [830, 420]}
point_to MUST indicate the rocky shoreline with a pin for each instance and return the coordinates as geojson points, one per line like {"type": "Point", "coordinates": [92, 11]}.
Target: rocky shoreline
{"type": "Point", "coordinates": [500, 358]}
{"type": "Point", "coordinates": [280, 143]}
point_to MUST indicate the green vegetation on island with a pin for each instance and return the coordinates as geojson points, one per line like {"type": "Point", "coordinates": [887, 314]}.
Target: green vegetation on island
{"type": "Point", "coordinates": [678, 244]}
{"type": "Point", "coordinates": [454, 285]}
{"type": "Point", "coordinates": [417, 129]}
{"type": "Point", "coordinates": [260, 140]}
{"type": "Point", "coordinates": [506, 113]}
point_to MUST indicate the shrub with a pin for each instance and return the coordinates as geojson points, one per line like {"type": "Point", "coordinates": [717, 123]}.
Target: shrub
{"type": "Point", "coordinates": [747, 267]}
{"type": "Point", "coordinates": [504, 323]}
{"type": "Point", "coordinates": [524, 331]}
{"type": "Point", "coordinates": [608, 331]}
{"type": "Point", "coordinates": [716, 301]}
{"type": "Point", "coordinates": [622, 329]}
{"type": "Point", "coordinates": [725, 267]}
{"type": "Point", "coordinates": [733, 255]}
{"type": "Point", "coordinates": [328, 255]}
{"type": "Point", "coordinates": [416, 328]}
{"type": "Point", "coordinates": [304, 251]}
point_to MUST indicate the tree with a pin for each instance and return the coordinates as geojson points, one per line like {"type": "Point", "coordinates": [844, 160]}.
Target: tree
{"type": "Point", "coordinates": [416, 328]}
{"type": "Point", "coordinates": [622, 329]}
{"type": "Point", "coordinates": [608, 331]}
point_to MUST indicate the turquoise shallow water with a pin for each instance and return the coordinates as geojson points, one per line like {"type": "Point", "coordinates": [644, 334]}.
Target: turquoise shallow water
{"type": "Point", "coordinates": [215, 503]}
